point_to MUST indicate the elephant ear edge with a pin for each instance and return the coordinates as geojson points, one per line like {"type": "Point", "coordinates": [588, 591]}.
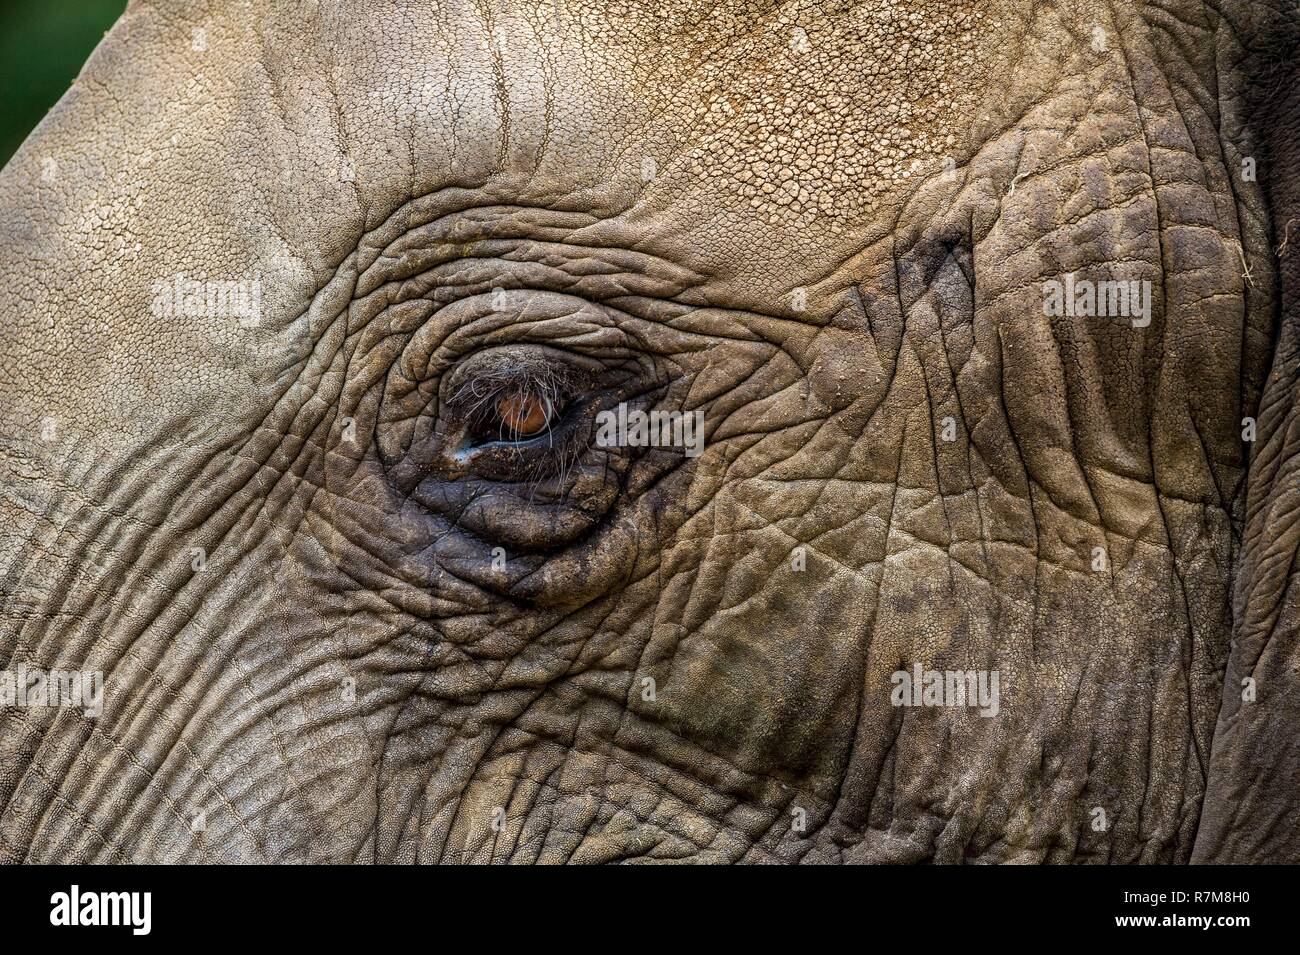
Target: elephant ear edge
{"type": "Point", "coordinates": [1251, 809]}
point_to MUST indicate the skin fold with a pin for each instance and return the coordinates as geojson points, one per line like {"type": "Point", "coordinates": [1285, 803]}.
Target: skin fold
{"type": "Point", "coordinates": [339, 621]}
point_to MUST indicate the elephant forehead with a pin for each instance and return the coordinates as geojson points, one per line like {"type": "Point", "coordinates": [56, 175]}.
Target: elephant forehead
{"type": "Point", "coordinates": [775, 131]}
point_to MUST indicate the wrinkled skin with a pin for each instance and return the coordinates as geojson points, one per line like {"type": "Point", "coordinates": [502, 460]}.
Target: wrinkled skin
{"type": "Point", "coordinates": [744, 210]}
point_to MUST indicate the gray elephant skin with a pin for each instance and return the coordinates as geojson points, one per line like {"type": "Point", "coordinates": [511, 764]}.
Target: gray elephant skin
{"type": "Point", "coordinates": [314, 314]}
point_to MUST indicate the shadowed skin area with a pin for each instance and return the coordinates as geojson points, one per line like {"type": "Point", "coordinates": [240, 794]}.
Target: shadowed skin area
{"type": "Point", "coordinates": [339, 621]}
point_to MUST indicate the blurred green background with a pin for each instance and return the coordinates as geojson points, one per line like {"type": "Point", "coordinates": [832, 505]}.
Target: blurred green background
{"type": "Point", "coordinates": [43, 44]}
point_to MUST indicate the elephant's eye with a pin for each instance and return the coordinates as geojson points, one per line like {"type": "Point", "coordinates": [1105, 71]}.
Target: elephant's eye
{"type": "Point", "coordinates": [505, 441]}
{"type": "Point", "coordinates": [522, 414]}
{"type": "Point", "coordinates": [515, 397]}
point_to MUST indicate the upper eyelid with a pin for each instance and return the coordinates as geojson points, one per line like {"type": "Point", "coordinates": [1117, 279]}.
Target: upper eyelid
{"type": "Point", "coordinates": [523, 379]}
{"type": "Point", "coordinates": [533, 367]}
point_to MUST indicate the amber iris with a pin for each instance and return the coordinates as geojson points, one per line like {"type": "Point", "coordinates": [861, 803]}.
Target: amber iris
{"type": "Point", "coordinates": [523, 415]}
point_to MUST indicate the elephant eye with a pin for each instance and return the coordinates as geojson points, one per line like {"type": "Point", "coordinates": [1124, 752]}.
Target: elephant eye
{"type": "Point", "coordinates": [517, 414]}
{"type": "Point", "coordinates": [508, 403]}
{"type": "Point", "coordinates": [522, 414]}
